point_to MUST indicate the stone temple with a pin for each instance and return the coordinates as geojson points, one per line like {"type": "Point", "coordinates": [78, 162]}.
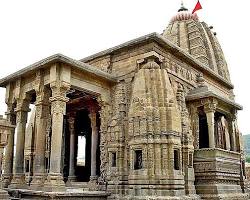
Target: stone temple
{"type": "Point", "coordinates": [153, 118]}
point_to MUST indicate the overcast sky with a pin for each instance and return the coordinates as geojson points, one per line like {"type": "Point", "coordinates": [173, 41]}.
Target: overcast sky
{"type": "Point", "coordinates": [32, 30]}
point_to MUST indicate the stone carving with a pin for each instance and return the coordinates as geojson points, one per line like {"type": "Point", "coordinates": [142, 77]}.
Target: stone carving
{"type": "Point", "coordinates": [148, 135]}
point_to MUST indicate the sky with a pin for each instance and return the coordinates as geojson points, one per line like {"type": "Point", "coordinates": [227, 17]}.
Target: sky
{"type": "Point", "coordinates": [32, 30]}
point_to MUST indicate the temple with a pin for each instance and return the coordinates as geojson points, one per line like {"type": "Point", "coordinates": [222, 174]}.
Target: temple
{"type": "Point", "coordinates": [153, 118]}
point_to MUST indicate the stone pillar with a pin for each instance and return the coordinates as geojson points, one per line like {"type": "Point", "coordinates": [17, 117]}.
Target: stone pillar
{"type": "Point", "coordinates": [72, 155]}
{"type": "Point", "coordinates": [9, 150]}
{"type": "Point", "coordinates": [104, 113]}
{"type": "Point", "coordinates": [22, 110]}
{"type": "Point", "coordinates": [42, 114]}
{"type": "Point", "coordinates": [195, 126]}
{"type": "Point", "coordinates": [58, 109]}
{"type": "Point", "coordinates": [94, 140]}
{"type": "Point", "coordinates": [210, 110]}
{"type": "Point", "coordinates": [4, 134]}
{"type": "Point", "coordinates": [232, 132]}
{"type": "Point", "coordinates": [227, 138]}
{"type": "Point", "coordinates": [1, 158]}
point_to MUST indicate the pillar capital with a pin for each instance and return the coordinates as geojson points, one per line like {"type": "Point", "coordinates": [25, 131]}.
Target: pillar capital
{"type": "Point", "coordinates": [22, 105]}
{"type": "Point", "coordinates": [71, 121]}
{"type": "Point", "coordinates": [59, 88]}
{"type": "Point", "coordinates": [102, 102]}
{"type": "Point", "coordinates": [233, 115]}
{"type": "Point", "coordinates": [59, 99]}
{"type": "Point", "coordinates": [42, 97]}
{"type": "Point", "coordinates": [92, 115]}
{"type": "Point", "coordinates": [210, 107]}
{"type": "Point", "coordinates": [21, 117]}
{"type": "Point", "coordinates": [10, 108]}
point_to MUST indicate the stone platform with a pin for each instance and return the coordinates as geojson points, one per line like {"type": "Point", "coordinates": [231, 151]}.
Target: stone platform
{"type": "Point", "coordinates": [75, 194]}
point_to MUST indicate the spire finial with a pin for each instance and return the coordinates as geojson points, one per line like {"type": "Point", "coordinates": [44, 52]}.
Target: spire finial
{"type": "Point", "coordinates": [183, 8]}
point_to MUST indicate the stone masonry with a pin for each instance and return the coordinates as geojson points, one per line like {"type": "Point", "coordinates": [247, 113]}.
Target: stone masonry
{"type": "Point", "coordinates": [153, 118]}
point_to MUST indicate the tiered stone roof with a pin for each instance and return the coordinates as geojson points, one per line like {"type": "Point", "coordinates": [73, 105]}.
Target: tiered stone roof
{"type": "Point", "coordinates": [197, 39]}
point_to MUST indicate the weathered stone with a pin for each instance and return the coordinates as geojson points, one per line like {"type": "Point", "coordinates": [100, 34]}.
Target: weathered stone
{"type": "Point", "coordinates": [154, 121]}
{"type": "Point", "coordinates": [6, 130]}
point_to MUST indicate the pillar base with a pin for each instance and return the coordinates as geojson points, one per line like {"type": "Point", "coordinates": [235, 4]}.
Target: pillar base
{"type": "Point", "coordinates": [18, 182]}
{"type": "Point", "coordinates": [92, 184]}
{"type": "Point", "coordinates": [4, 194]}
{"type": "Point", "coordinates": [6, 180]}
{"type": "Point", "coordinates": [38, 181]}
{"type": "Point", "coordinates": [54, 183]}
{"type": "Point", "coordinates": [70, 180]}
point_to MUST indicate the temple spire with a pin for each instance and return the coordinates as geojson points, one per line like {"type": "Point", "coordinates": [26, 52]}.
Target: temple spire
{"type": "Point", "coordinates": [182, 8]}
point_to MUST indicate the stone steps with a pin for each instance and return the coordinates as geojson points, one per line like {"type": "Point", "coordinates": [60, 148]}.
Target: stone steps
{"type": "Point", "coordinates": [78, 185]}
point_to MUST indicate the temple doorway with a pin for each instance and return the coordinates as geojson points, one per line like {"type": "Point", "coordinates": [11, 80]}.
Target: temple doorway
{"type": "Point", "coordinates": [80, 141]}
{"type": "Point", "coordinates": [83, 146]}
{"type": "Point", "coordinates": [203, 130]}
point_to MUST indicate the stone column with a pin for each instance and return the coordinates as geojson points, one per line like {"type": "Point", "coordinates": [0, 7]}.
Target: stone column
{"type": "Point", "coordinates": [210, 110]}
{"type": "Point", "coordinates": [227, 138]}
{"type": "Point", "coordinates": [1, 157]}
{"type": "Point", "coordinates": [22, 110]}
{"type": "Point", "coordinates": [3, 193]}
{"type": "Point", "coordinates": [104, 113]}
{"type": "Point", "coordinates": [9, 150]}
{"type": "Point", "coordinates": [42, 114]}
{"type": "Point", "coordinates": [94, 140]}
{"type": "Point", "coordinates": [58, 109]}
{"type": "Point", "coordinates": [195, 126]}
{"type": "Point", "coordinates": [72, 155]}
{"type": "Point", "coordinates": [232, 131]}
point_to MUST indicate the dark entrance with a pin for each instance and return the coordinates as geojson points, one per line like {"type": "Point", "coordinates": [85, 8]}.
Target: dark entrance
{"type": "Point", "coordinates": [83, 144]}
{"type": "Point", "coordinates": [203, 130]}
{"type": "Point", "coordinates": [83, 140]}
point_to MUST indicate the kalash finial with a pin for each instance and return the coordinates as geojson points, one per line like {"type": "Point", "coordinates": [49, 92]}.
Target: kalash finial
{"type": "Point", "coordinates": [183, 8]}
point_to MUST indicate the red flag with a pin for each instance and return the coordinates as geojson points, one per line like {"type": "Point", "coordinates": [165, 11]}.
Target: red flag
{"type": "Point", "coordinates": [197, 7]}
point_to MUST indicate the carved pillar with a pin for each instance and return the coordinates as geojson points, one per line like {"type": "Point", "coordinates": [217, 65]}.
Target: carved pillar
{"type": "Point", "coordinates": [1, 158]}
{"type": "Point", "coordinates": [42, 114]}
{"type": "Point", "coordinates": [210, 110]}
{"type": "Point", "coordinates": [9, 150]}
{"type": "Point", "coordinates": [4, 133]}
{"type": "Point", "coordinates": [22, 110]}
{"type": "Point", "coordinates": [227, 135]}
{"type": "Point", "coordinates": [72, 155]}
{"type": "Point", "coordinates": [104, 114]}
{"type": "Point", "coordinates": [232, 131]}
{"type": "Point", "coordinates": [58, 109]}
{"type": "Point", "coordinates": [94, 141]}
{"type": "Point", "coordinates": [195, 126]}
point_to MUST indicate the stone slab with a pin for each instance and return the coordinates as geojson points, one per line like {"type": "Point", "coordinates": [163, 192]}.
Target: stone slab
{"type": "Point", "coordinates": [70, 194]}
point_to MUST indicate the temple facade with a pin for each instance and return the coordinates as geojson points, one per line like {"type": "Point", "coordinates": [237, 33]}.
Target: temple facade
{"type": "Point", "coordinates": [153, 118]}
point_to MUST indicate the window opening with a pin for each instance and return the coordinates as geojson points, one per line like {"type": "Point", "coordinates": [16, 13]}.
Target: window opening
{"type": "Point", "coordinates": [138, 160]}
{"type": "Point", "coordinates": [113, 159]}
{"type": "Point", "coordinates": [176, 159]}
